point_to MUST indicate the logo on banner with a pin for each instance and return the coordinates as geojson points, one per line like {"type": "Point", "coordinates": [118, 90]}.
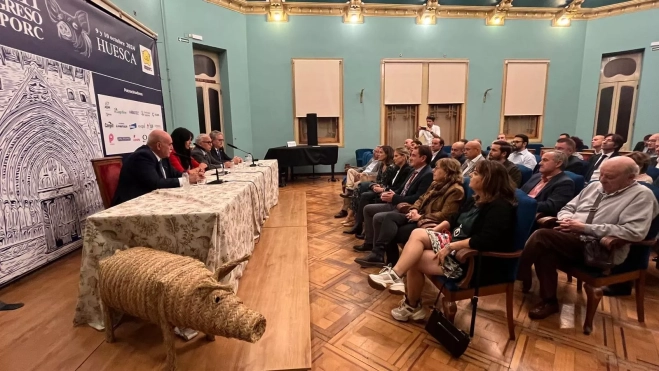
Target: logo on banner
{"type": "Point", "coordinates": [107, 105]}
{"type": "Point", "coordinates": [111, 138]}
{"type": "Point", "coordinates": [119, 112]}
{"type": "Point", "coordinates": [109, 125]}
{"type": "Point", "coordinates": [147, 60]}
{"type": "Point", "coordinates": [122, 125]}
{"type": "Point", "coordinates": [72, 28]}
{"type": "Point", "coordinates": [134, 112]}
{"type": "Point", "coordinates": [123, 139]}
{"type": "Point", "coordinates": [133, 126]}
{"type": "Point", "coordinates": [146, 114]}
{"type": "Point", "coordinates": [144, 137]}
{"type": "Point", "coordinates": [136, 139]}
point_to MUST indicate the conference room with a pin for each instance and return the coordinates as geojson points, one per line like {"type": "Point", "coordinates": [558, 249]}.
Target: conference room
{"type": "Point", "coordinates": [290, 185]}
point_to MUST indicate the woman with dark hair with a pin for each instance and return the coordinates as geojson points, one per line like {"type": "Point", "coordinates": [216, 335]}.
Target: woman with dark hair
{"type": "Point", "coordinates": [485, 223]}
{"type": "Point", "coordinates": [643, 161]}
{"type": "Point", "coordinates": [180, 158]}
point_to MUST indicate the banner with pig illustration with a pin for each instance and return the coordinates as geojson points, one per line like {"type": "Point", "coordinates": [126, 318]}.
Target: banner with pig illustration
{"type": "Point", "coordinates": [76, 83]}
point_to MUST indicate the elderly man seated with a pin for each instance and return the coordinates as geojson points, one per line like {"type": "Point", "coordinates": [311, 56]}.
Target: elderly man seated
{"type": "Point", "coordinates": [551, 187]}
{"type": "Point", "coordinates": [458, 151]}
{"type": "Point", "coordinates": [615, 206]}
{"type": "Point", "coordinates": [473, 154]}
{"type": "Point", "coordinates": [202, 152]}
{"type": "Point", "coordinates": [353, 174]}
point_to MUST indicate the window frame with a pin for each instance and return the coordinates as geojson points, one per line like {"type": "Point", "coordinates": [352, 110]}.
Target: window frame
{"type": "Point", "coordinates": [541, 118]}
{"type": "Point", "coordinates": [296, 121]}
{"type": "Point", "coordinates": [204, 82]}
{"type": "Point", "coordinates": [424, 108]}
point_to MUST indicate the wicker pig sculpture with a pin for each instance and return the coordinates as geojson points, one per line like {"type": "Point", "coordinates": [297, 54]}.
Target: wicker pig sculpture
{"type": "Point", "coordinates": [174, 291]}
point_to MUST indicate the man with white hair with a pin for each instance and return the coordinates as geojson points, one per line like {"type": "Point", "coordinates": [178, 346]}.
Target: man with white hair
{"type": "Point", "coordinates": [201, 152]}
{"type": "Point", "coordinates": [148, 169]}
{"type": "Point", "coordinates": [653, 142]}
{"type": "Point", "coordinates": [615, 206]}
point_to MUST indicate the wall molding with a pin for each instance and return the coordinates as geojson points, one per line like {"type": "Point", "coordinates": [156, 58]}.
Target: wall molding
{"type": "Point", "coordinates": [443, 11]}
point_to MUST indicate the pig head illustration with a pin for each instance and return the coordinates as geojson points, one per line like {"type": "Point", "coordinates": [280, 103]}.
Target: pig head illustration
{"type": "Point", "coordinates": [174, 291]}
{"type": "Point", "coordinates": [72, 28]}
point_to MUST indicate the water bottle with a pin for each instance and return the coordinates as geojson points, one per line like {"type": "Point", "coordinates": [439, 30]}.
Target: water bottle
{"type": "Point", "coordinates": [248, 159]}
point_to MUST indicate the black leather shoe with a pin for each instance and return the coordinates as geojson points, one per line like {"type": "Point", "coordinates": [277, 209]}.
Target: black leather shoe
{"type": "Point", "coordinates": [357, 229]}
{"type": "Point", "coordinates": [341, 214]}
{"type": "Point", "coordinates": [360, 236]}
{"type": "Point", "coordinates": [371, 260]}
{"type": "Point", "coordinates": [363, 248]}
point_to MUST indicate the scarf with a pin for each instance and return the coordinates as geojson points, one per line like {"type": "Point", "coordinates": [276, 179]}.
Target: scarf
{"type": "Point", "coordinates": [436, 189]}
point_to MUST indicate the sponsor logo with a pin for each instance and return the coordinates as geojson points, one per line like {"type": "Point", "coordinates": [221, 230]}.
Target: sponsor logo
{"type": "Point", "coordinates": [120, 112]}
{"type": "Point", "coordinates": [123, 139]}
{"type": "Point", "coordinates": [136, 139]}
{"type": "Point", "coordinates": [141, 126]}
{"type": "Point", "coordinates": [133, 126]}
{"type": "Point", "coordinates": [109, 125]}
{"type": "Point", "coordinates": [157, 126]}
{"type": "Point", "coordinates": [146, 114]}
{"type": "Point", "coordinates": [156, 114]}
{"type": "Point", "coordinates": [144, 137]}
{"type": "Point", "coordinates": [108, 114]}
{"type": "Point", "coordinates": [134, 112]}
{"type": "Point", "coordinates": [150, 126]}
{"type": "Point", "coordinates": [147, 60]}
{"type": "Point", "coordinates": [111, 138]}
{"type": "Point", "coordinates": [107, 105]}
{"type": "Point", "coordinates": [122, 125]}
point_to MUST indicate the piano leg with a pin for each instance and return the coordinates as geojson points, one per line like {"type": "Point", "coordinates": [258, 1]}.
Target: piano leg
{"type": "Point", "coordinates": [332, 179]}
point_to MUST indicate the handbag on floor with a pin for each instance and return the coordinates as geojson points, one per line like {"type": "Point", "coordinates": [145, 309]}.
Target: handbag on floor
{"type": "Point", "coordinates": [446, 333]}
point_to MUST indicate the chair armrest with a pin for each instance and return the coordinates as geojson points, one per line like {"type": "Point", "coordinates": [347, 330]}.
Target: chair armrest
{"type": "Point", "coordinates": [611, 242]}
{"type": "Point", "coordinates": [547, 222]}
{"type": "Point", "coordinates": [503, 255]}
{"type": "Point", "coordinates": [463, 255]}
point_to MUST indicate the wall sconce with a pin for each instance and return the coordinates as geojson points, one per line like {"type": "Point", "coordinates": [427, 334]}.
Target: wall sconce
{"type": "Point", "coordinates": [276, 12]}
{"type": "Point", "coordinates": [497, 16]}
{"type": "Point", "coordinates": [564, 17]}
{"type": "Point", "coordinates": [354, 12]}
{"type": "Point", "coordinates": [428, 14]}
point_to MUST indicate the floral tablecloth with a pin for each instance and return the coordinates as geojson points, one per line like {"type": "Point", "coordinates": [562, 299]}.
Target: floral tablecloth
{"type": "Point", "coordinates": [212, 223]}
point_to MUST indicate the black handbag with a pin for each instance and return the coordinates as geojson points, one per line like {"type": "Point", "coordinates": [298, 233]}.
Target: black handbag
{"type": "Point", "coordinates": [594, 254]}
{"type": "Point", "coordinates": [446, 333]}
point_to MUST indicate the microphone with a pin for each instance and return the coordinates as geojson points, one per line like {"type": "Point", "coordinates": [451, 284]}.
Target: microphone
{"type": "Point", "coordinates": [249, 153]}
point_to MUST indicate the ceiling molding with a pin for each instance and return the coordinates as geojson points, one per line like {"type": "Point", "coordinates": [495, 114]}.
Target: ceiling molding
{"type": "Point", "coordinates": [442, 11]}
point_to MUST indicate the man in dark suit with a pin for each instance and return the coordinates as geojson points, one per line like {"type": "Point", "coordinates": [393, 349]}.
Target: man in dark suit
{"type": "Point", "coordinates": [218, 152]}
{"type": "Point", "coordinates": [551, 187]}
{"type": "Point", "coordinates": [610, 148]}
{"type": "Point", "coordinates": [574, 164]}
{"type": "Point", "coordinates": [148, 169]}
{"type": "Point", "coordinates": [499, 151]}
{"type": "Point", "coordinates": [437, 147]}
{"type": "Point", "coordinates": [644, 146]}
{"type": "Point", "coordinates": [416, 184]}
{"type": "Point", "coordinates": [458, 151]}
{"type": "Point", "coordinates": [201, 153]}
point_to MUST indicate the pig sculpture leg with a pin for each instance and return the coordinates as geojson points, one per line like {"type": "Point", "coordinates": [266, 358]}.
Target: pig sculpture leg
{"type": "Point", "coordinates": [168, 336]}
{"type": "Point", "coordinates": [109, 326]}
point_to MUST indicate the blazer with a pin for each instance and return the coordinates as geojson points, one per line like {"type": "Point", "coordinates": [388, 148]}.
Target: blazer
{"type": "Point", "coordinates": [419, 186]}
{"type": "Point", "coordinates": [439, 207]}
{"type": "Point", "coordinates": [141, 174]}
{"type": "Point", "coordinates": [554, 195]}
{"type": "Point", "coordinates": [203, 157]}
{"type": "Point", "coordinates": [220, 155]}
{"type": "Point", "coordinates": [640, 147]}
{"type": "Point", "coordinates": [441, 154]}
{"type": "Point", "coordinates": [591, 164]}
{"type": "Point", "coordinates": [514, 173]}
{"type": "Point", "coordinates": [577, 166]}
{"type": "Point", "coordinates": [403, 174]}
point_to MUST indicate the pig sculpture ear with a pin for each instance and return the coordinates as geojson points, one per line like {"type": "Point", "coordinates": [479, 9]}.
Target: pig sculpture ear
{"type": "Point", "coordinates": [225, 269]}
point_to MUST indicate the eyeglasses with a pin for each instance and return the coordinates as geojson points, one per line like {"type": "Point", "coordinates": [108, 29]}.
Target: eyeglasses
{"type": "Point", "coordinates": [517, 141]}
{"type": "Point", "coordinates": [207, 142]}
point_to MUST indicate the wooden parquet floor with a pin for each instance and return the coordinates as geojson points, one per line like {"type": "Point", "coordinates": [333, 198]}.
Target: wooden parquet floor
{"type": "Point", "coordinates": [352, 328]}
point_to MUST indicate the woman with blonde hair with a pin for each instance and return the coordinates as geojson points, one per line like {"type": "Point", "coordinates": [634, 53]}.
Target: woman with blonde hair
{"type": "Point", "coordinates": [485, 223]}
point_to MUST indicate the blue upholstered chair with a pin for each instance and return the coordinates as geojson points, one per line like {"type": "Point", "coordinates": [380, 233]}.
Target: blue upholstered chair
{"type": "Point", "coordinates": [447, 149]}
{"type": "Point", "coordinates": [632, 269]}
{"type": "Point", "coordinates": [536, 146]}
{"type": "Point", "coordinates": [526, 173]}
{"type": "Point", "coordinates": [462, 290]}
{"type": "Point", "coordinates": [359, 155]}
{"type": "Point", "coordinates": [579, 182]}
{"type": "Point", "coordinates": [653, 172]}
{"type": "Point", "coordinates": [366, 157]}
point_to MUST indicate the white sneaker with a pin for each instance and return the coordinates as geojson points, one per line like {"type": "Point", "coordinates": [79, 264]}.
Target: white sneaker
{"type": "Point", "coordinates": [397, 288]}
{"type": "Point", "coordinates": [404, 312]}
{"type": "Point", "coordinates": [384, 279]}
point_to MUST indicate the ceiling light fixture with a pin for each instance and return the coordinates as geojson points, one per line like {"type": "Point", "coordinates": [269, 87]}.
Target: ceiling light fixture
{"type": "Point", "coordinates": [276, 11]}
{"type": "Point", "coordinates": [428, 13]}
{"type": "Point", "coordinates": [564, 17]}
{"type": "Point", "coordinates": [354, 12]}
{"type": "Point", "coordinates": [498, 15]}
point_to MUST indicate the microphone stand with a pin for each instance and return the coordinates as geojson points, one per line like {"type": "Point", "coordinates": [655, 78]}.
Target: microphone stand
{"type": "Point", "coordinates": [254, 160]}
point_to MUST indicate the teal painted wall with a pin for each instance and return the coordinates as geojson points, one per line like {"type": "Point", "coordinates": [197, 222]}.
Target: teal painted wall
{"type": "Point", "coordinates": [615, 34]}
{"type": "Point", "coordinates": [271, 46]}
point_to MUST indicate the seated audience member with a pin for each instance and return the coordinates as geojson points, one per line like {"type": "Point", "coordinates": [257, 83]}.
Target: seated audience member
{"type": "Point", "coordinates": [642, 160]}
{"type": "Point", "coordinates": [463, 140]}
{"type": "Point", "coordinates": [574, 164]}
{"type": "Point", "coordinates": [437, 153]}
{"type": "Point", "coordinates": [610, 147]}
{"type": "Point", "coordinates": [458, 151]}
{"type": "Point", "coordinates": [487, 217]}
{"type": "Point", "coordinates": [439, 203]}
{"type": "Point", "coordinates": [415, 144]}
{"type": "Point", "coordinates": [499, 152]}
{"type": "Point", "coordinates": [148, 169]}
{"type": "Point", "coordinates": [644, 145]}
{"type": "Point", "coordinates": [596, 144]}
{"type": "Point", "coordinates": [416, 184]}
{"type": "Point", "coordinates": [408, 144]}
{"type": "Point", "coordinates": [501, 136]}
{"type": "Point", "coordinates": [521, 155]}
{"type": "Point", "coordinates": [218, 151]}
{"type": "Point", "coordinates": [393, 178]}
{"type": "Point", "coordinates": [181, 157]}
{"type": "Point", "coordinates": [624, 209]}
{"type": "Point", "coordinates": [579, 146]}
{"type": "Point", "coordinates": [353, 175]}
{"type": "Point", "coordinates": [551, 187]}
{"type": "Point", "coordinates": [201, 152]}
{"type": "Point", "coordinates": [564, 136]}
{"type": "Point", "coordinates": [473, 156]}
{"type": "Point", "coordinates": [429, 131]}
{"type": "Point", "coordinates": [482, 150]}
{"type": "Point", "coordinates": [384, 175]}
{"type": "Point", "coordinates": [654, 143]}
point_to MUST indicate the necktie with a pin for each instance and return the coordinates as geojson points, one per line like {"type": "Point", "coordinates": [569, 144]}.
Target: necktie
{"type": "Point", "coordinates": [162, 169]}
{"type": "Point", "coordinates": [599, 162]}
{"type": "Point", "coordinates": [409, 182]}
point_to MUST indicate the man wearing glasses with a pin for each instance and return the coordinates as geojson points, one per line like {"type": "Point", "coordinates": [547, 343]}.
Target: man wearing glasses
{"type": "Point", "coordinates": [201, 152]}
{"type": "Point", "coordinates": [218, 152]}
{"type": "Point", "coordinates": [521, 155]}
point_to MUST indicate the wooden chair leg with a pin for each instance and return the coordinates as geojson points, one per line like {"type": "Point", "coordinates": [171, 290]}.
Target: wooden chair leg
{"type": "Point", "coordinates": [579, 285]}
{"type": "Point", "coordinates": [450, 309]}
{"type": "Point", "coordinates": [569, 278]}
{"type": "Point", "coordinates": [509, 310]}
{"type": "Point", "coordinates": [640, 296]}
{"type": "Point", "coordinates": [593, 298]}
{"type": "Point", "coordinates": [109, 325]}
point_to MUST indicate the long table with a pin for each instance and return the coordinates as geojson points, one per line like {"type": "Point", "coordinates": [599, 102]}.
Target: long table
{"type": "Point", "coordinates": [212, 223]}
